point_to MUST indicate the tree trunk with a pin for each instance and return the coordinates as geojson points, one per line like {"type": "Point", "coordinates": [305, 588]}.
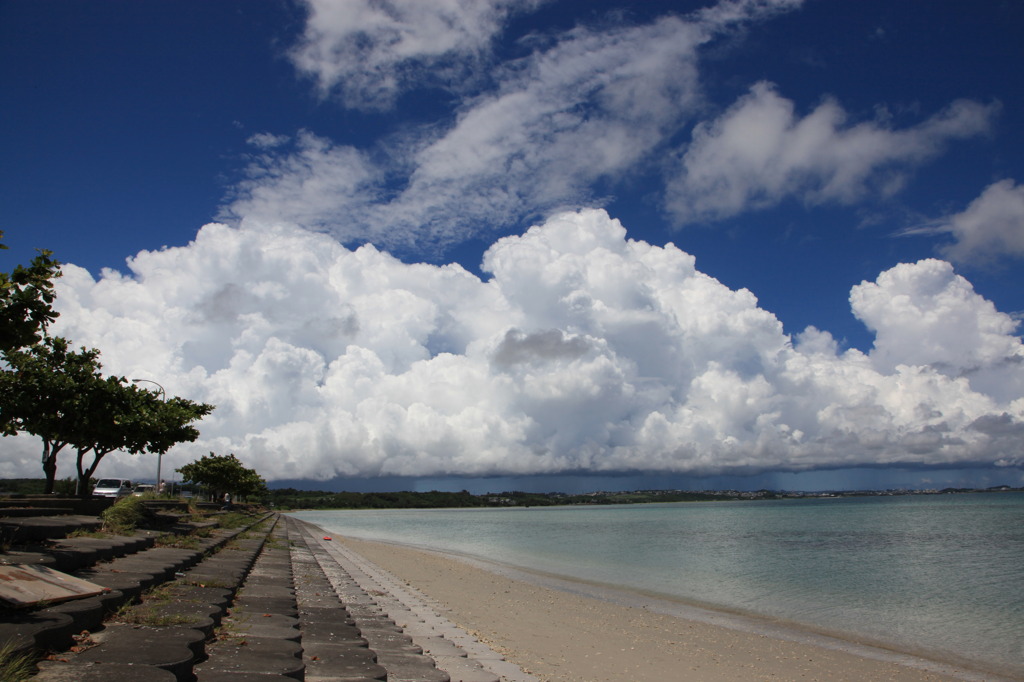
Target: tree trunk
{"type": "Point", "coordinates": [83, 477]}
{"type": "Point", "coordinates": [83, 491]}
{"type": "Point", "coordinates": [50, 451]}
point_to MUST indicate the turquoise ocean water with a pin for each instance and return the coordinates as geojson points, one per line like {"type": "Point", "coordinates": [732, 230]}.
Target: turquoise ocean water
{"type": "Point", "coordinates": [940, 575]}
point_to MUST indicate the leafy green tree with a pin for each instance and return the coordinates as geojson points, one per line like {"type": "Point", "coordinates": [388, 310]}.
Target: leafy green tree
{"type": "Point", "coordinates": [41, 394]}
{"type": "Point", "coordinates": [224, 474]}
{"type": "Point", "coordinates": [60, 395]}
{"type": "Point", "coordinates": [118, 415]}
{"type": "Point", "coordinates": [26, 298]}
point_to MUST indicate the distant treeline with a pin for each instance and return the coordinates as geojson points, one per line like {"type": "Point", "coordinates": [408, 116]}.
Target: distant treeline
{"type": "Point", "coordinates": [290, 498]}
{"type": "Point", "coordinates": [35, 486]}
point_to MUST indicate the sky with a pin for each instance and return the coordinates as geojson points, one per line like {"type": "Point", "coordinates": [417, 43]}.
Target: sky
{"type": "Point", "coordinates": [536, 244]}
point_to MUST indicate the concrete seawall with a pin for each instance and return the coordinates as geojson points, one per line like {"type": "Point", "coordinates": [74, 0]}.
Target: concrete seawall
{"type": "Point", "coordinates": [278, 600]}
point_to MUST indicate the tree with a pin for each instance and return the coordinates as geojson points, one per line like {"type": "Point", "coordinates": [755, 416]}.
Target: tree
{"type": "Point", "coordinates": [61, 396]}
{"type": "Point", "coordinates": [26, 298]}
{"type": "Point", "coordinates": [224, 474]}
{"type": "Point", "coordinates": [41, 393]}
{"type": "Point", "coordinates": [118, 415]}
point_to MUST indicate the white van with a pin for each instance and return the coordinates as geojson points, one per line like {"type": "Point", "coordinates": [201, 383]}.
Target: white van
{"type": "Point", "coordinates": [113, 487]}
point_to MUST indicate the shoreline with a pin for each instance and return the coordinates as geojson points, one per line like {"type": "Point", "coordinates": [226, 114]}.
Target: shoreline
{"type": "Point", "coordinates": [567, 631]}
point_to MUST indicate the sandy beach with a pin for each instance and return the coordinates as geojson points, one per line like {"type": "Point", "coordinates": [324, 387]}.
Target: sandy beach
{"type": "Point", "coordinates": [586, 634]}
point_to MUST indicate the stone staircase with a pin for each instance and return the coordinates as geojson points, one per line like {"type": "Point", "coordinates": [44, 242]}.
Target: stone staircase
{"type": "Point", "coordinates": [273, 600]}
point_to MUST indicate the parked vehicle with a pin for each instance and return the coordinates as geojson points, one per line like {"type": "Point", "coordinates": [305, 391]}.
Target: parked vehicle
{"type": "Point", "coordinates": [112, 487]}
{"type": "Point", "coordinates": [143, 488]}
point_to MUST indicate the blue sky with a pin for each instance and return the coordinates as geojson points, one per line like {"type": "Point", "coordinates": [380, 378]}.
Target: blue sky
{"type": "Point", "coordinates": [790, 151]}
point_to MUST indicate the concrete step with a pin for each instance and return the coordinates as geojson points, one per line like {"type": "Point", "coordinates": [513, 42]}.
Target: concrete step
{"type": "Point", "coordinates": [165, 634]}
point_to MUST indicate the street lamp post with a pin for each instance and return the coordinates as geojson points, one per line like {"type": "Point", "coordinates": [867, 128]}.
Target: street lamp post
{"type": "Point", "coordinates": [159, 455]}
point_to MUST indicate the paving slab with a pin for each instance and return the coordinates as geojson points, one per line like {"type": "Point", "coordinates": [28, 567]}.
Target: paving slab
{"type": "Point", "coordinates": [335, 634]}
{"type": "Point", "coordinates": [326, 614]}
{"type": "Point", "coordinates": [16, 512]}
{"type": "Point", "coordinates": [338, 661]}
{"type": "Point", "coordinates": [105, 548]}
{"type": "Point", "coordinates": [375, 623]}
{"type": "Point", "coordinates": [132, 585]}
{"type": "Point", "coordinates": [88, 614]}
{"type": "Point", "coordinates": [161, 568]}
{"type": "Point", "coordinates": [215, 596]}
{"type": "Point", "coordinates": [183, 557]}
{"type": "Point", "coordinates": [198, 616]}
{"type": "Point", "coordinates": [210, 578]}
{"type": "Point", "coordinates": [265, 625]}
{"type": "Point", "coordinates": [35, 528]}
{"type": "Point", "coordinates": [254, 655]}
{"type": "Point", "coordinates": [36, 630]}
{"type": "Point", "coordinates": [280, 605]}
{"type": "Point", "coordinates": [462, 669]}
{"type": "Point", "coordinates": [58, 671]}
{"type": "Point", "coordinates": [232, 676]}
{"type": "Point", "coordinates": [405, 667]}
{"type": "Point", "coordinates": [279, 591]}
{"type": "Point", "coordinates": [319, 600]}
{"type": "Point", "coordinates": [395, 641]}
{"type": "Point", "coordinates": [31, 558]}
{"type": "Point", "coordinates": [230, 570]}
{"type": "Point", "coordinates": [174, 649]}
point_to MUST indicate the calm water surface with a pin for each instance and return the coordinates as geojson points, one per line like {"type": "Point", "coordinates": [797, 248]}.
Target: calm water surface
{"type": "Point", "coordinates": [942, 574]}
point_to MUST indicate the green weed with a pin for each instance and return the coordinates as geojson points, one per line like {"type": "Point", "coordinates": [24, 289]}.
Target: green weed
{"type": "Point", "coordinates": [233, 520]}
{"type": "Point", "coordinates": [178, 541]}
{"type": "Point", "coordinates": [151, 615]}
{"type": "Point", "coordinates": [86, 533]}
{"type": "Point", "coordinates": [15, 667]}
{"type": "Point", "coordinates": [124, 516]}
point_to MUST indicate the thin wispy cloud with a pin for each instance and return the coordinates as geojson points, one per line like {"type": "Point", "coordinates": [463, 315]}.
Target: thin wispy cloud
{"type": "Point", "coordinates": [591, 106]}
{"type": "Point", "coordinates": [584, 109]}
{"type": "Point", "coordinates": [370, 52]}
{"type": "Point", "coordinates": [760, 152]}
{"type": "Point", "coordinates": [990, 230]}
{"type": "Point", "coordinates": [307, 180]}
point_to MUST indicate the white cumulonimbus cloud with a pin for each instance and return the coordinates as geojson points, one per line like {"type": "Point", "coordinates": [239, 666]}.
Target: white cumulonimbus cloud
{"type": "Point", "coordinates": [583, 351]}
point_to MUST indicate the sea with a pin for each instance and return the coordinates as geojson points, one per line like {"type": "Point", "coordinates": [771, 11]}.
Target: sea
{"type": "Point", "coordinates": [940, 576]}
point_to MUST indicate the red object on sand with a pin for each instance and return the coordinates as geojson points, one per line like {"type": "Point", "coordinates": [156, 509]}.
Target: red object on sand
{"type": "Point", "coordinates": [326, 537]}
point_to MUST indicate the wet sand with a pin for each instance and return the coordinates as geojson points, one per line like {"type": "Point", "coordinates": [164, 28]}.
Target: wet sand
{"type": "Point", "coordinates": [564, 631]}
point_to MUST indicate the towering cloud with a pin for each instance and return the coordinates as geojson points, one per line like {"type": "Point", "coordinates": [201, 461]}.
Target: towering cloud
{"type": "Point", "coordinates": [583, 351]}
{"type": "Point", "coordinates": [924, 314]}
